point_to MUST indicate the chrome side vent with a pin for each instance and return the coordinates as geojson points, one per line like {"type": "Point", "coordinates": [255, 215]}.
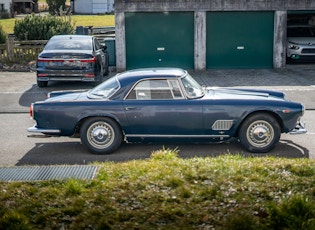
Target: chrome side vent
{"type": "Point", "coordinates": [222, 125]}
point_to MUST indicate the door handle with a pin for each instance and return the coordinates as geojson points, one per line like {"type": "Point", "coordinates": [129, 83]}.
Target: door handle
{"type": "Point", "coordinates": [130, 108]}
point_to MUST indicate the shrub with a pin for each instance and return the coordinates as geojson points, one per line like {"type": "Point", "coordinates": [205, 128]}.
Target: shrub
{"type": "Point", "coordinates": [34, 27]}
{"type": "Point", "coordinates": [296, 212]}
{"type": "Point", "coordinates": [3, 35]}
{"type": "Point", "coordinates": [4, 14]}
{"type": "Point", "coordinates": [55, 5]}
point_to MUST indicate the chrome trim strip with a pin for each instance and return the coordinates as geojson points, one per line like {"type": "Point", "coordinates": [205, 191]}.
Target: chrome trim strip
{"type": "Point", "coordinates": [176, 136]}
{"type": "Point", "coordinates": [37, 130]}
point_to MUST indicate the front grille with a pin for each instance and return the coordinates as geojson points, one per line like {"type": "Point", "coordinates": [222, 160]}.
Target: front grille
{"type": "Point", "coordinates": [308, 51]}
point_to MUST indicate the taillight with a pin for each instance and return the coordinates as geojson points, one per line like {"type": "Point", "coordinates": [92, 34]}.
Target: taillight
{"type": "Point", "coordinates": [89, 60]}
{"type": "Point", "coordinates": [31, 110]}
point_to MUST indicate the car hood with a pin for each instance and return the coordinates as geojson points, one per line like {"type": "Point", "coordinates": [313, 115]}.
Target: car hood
{"type": "Point", "coordinates": [302, 40]}
{"type": "Point", "coordinates": [238, 93]}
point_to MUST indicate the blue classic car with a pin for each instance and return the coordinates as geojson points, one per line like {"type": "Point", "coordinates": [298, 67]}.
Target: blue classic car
{"type": "Point", "coordinates": [166, 104]}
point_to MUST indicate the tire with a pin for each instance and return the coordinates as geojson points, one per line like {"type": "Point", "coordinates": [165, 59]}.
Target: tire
{"type": "Point", "coordinates": [42, 83]}
{"type": "Point", "coordinates": [259, 133]}
{"type": "Point", "coordinates": [100, 135]}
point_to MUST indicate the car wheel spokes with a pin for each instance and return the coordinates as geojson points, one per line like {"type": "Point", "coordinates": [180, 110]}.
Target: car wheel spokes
{"type": "Point", "coordinates": [260, 134]}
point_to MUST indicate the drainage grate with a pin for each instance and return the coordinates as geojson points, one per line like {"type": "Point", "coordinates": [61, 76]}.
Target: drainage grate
{"type": "Point", "coordinates": [37, 173]}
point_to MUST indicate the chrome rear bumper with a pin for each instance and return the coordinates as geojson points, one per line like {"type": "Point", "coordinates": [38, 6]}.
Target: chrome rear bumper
{"type": "Point", "coordinates": [46, 132]}
{"type": "Point", "coordinates": [299, 129]}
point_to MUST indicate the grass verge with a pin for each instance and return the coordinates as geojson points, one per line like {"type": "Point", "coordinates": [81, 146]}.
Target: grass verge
{"type": "Point", "coordinates": [78, 20]}
{"type": "Point", "coordinates": [167, 192]}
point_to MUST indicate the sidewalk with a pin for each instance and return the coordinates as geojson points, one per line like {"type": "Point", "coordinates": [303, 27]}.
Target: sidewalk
{"type": "Point", "coordinates": [297, 81]}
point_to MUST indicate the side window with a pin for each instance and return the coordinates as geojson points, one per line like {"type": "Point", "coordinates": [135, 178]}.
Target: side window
{"type": "Point", "coordinates": [155, 90]}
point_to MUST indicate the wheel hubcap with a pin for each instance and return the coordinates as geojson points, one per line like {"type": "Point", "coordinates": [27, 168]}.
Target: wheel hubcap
{"type": "Point", "coordinates": [100, 135]}
{"type": "Point", "coordinates": [260, 134]}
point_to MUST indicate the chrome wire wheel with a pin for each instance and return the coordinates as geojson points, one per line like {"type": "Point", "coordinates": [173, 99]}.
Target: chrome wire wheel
{"type": "Point", "coordinates": [100, 135]}
{"type": "Point", "coordinates": [260, 134]}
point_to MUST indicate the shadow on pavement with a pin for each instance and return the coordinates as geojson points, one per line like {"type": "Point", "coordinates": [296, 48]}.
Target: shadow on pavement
{"type": "Point", "coordinates": [73, 153]}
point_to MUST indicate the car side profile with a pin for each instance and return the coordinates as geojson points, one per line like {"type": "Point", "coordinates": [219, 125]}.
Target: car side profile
{"type": "Point", "coordinates": [166, 104]}
{"type": "Point", "coordinates": [72, 58]}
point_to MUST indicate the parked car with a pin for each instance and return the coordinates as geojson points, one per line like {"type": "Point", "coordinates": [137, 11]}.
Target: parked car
{"type": "Point", "coordinates": [166, 104]}
{"type": "Point", "coordinates": [72, 58]}
{"type": "Point", "coordinates": [300, 43]}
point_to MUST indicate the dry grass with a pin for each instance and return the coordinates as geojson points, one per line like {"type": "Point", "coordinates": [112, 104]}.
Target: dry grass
{"type": "Point", "coordinates": [78, 20]}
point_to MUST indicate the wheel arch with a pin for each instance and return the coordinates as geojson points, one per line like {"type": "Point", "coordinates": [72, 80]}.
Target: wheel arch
{"type": "Point", "coordinates": [271, 113]}
{"type": "Point", "coordinates": [83, 119]}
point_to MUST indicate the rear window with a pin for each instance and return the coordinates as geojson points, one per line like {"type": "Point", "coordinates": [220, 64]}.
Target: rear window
{"type": "Point", "coordinates": [69, 44]}
{"type": "Point", "coordinates": [301, 32]}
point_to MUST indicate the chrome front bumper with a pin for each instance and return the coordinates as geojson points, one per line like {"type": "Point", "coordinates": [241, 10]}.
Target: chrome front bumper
{"type": "Point", "coordinates": [299, 129]}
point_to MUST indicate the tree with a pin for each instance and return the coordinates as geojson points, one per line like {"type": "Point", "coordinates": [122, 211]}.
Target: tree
{"type": "Point", "coordinates": [55, 6]}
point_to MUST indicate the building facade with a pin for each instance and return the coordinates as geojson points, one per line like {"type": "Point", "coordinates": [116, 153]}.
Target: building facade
{"type": "Point", "coordinates": [205, 34]}
{"type": "Point", "coordinates": [92, 6]}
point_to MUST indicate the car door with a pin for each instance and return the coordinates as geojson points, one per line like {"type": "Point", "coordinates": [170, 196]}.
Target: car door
{"type": "Point", "coordinates": [99, 53]}
{"type": "Point", "coordinates": [157, 107]}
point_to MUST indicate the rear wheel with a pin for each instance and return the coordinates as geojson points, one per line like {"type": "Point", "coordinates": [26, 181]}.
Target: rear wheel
{"type": "Point", "coordinates": [101, 135]}
{"type": "Point", "coordinates": [260, 133]}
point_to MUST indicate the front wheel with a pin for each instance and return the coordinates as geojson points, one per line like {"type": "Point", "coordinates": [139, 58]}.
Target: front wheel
{"type": "Point", "coordinates": [259, 133]}
{"type": "Point", "coordinates": [101, 135]}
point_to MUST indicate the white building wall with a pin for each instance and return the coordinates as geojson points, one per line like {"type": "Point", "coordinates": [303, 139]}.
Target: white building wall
{"type": "Point", "coordinates": [93, 6]}
{"type": "Point", "coordinates": [83, 7]}
{"type": "Point", "coordinates": [7, 4]}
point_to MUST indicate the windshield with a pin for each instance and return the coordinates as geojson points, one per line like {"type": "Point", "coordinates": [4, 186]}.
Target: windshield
{"type": "Point", "coordinates": [192, 88]}
{"type": "Point", "coordinates": [69, 44]}
{"type": "Point", "coordinates": [307, 31]}
{"type": "Point", "coordinates": [106, 89]}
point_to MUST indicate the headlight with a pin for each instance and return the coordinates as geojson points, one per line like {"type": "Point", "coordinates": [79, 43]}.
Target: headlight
{"type": "Point", "coordinates": [293, 47]}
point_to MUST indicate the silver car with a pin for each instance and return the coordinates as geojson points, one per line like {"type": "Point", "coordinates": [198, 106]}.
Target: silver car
{"type": "Point", "coordinates": [300, 43]}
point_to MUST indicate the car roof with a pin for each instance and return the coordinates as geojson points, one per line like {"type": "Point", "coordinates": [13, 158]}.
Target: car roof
{"type": "Point", "coordinates": [152, 73]}
{"type": "Point", "coordinates": [71, 36]}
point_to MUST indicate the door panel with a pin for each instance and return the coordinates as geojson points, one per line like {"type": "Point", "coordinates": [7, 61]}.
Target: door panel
{"type": "Point", "coordinates": [164, 117]}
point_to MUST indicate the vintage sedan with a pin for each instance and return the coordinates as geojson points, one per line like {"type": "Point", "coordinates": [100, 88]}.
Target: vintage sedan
{"type": "Point", "coordinates": [166, 104]}
{"type": "Point", "coordinates": [72, 58]}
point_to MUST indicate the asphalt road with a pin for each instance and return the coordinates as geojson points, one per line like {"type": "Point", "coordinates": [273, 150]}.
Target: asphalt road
{"type": "Point", "coordinates": [18, 90]}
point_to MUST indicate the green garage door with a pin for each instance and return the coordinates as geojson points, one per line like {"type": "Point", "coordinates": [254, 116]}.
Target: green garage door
{"type": "Point", "coordinates": [240, 39]}
{"type": "Point", "coordinates": [159, 40]}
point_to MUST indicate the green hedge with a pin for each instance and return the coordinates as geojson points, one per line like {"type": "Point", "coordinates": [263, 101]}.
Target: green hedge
{"type": "Point", "coordinates": [34, 27]}
{"type": "Point", "coordinates": [3, 35]}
